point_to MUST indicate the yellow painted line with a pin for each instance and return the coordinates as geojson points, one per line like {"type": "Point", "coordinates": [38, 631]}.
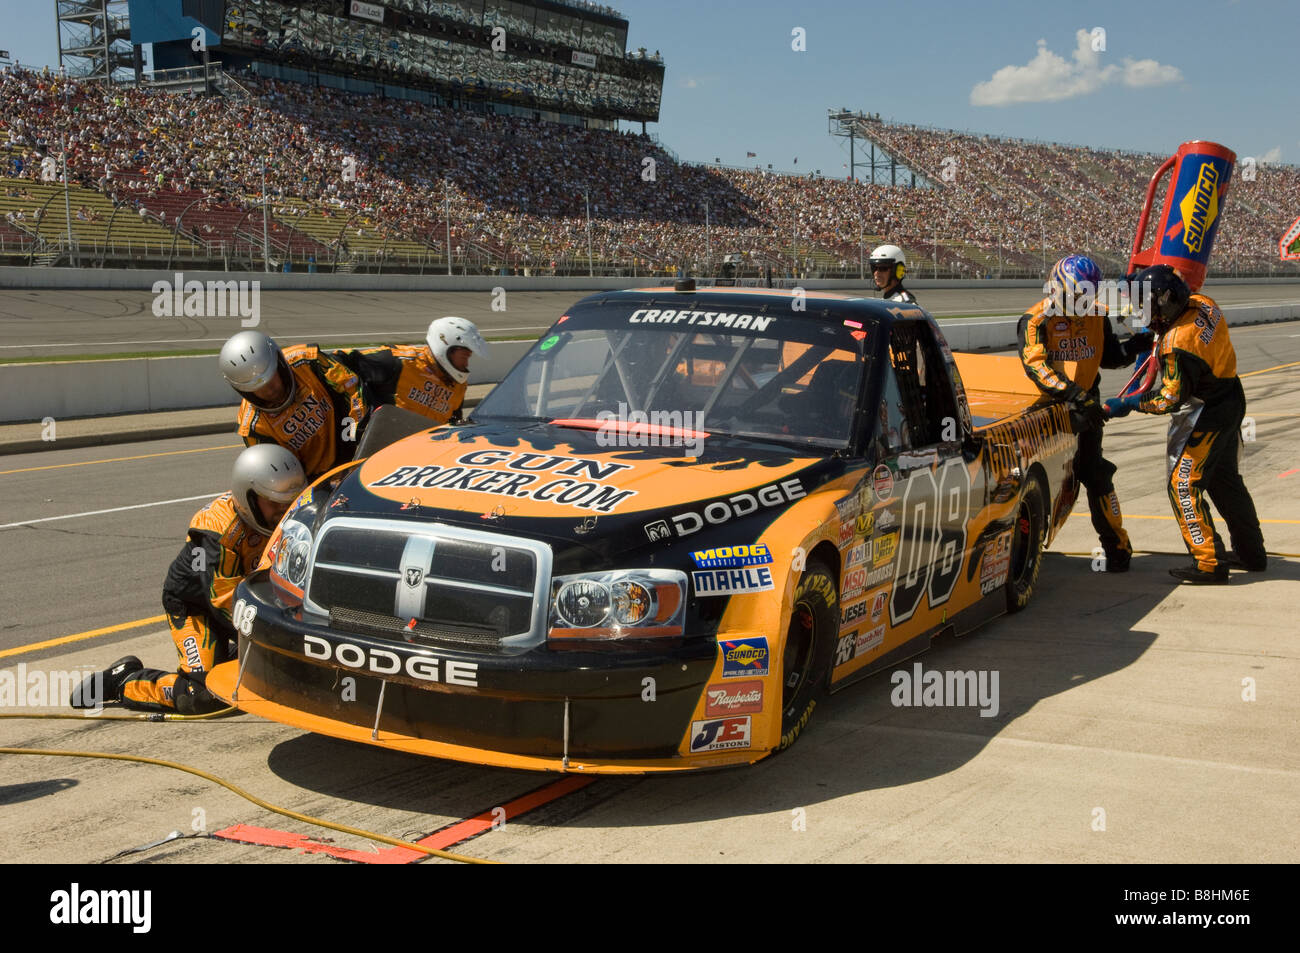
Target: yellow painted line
{"type": "Point", "coordinates": [139, 456]}
{"type": "Point", "coordinates": [1280, 367]}
{"type": "Point", "coordinates": [1130, 516]}
{"type": "Point", "coordinates": [81, 636]}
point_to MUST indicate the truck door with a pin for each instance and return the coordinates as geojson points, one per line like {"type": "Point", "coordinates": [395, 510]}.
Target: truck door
{"type": "Point", "coordinates": [931, 481]}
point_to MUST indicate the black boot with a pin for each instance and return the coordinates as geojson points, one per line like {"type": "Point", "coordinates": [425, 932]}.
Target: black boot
{"type": "Point", "coordinates": [1254, 564]}
{"type": "Point", "coordinates": [1199, 577]}
{"type": "Point", "coordinates": [1117, 560]}
{"type": "Point", "coordinates": [105, 686]}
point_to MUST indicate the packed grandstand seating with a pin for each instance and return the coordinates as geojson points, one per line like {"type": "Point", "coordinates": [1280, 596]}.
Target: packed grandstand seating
{"type": "Point", "coordinates": [515, 191]}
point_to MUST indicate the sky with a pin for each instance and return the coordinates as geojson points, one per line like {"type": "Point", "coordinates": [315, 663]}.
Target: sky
{"type": "Point", "coordinates": [1144, 76]}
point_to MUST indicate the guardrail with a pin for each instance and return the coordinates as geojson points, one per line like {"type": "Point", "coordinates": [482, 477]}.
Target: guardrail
{"type": "Point", "coordinates": [89, 388]}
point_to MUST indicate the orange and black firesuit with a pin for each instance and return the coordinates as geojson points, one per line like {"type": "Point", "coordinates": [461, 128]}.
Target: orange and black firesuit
{"type": "Point", "coordinates": [1199, 382]}
{"type": "Point", "coordinates": [313, 426]}
{"type": "Point", "coordinates": [407, 376]}
{"type": "Point", "coordinates": [198, 595]}
{"type": "Point", "coordinates": [1049, 336]}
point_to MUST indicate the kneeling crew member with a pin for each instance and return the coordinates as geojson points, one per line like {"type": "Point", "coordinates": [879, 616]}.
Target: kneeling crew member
{"type": "Point", "coordinates": [300, 398]}
{"type": "Point", "coordinates": [1070, 325]}
{"type": "Point", "coordinates": [1199, 384]}
{"type": "Point", "coordinates": [223, 545]}
{"type": "Point", "coordinates": [429, 379]}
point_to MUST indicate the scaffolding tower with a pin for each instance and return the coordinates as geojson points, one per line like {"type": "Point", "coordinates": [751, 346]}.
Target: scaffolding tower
{"type": "Point", "coordinates": [95, 39]}
{"type": "Point", "coordinates": [883, 167]}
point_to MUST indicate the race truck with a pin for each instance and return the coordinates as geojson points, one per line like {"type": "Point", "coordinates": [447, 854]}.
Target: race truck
{"type": "Point", "coordinates": [683, 518]}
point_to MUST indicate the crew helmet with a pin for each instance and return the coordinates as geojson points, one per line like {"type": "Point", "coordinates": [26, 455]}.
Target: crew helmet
{"type": "Point", "coordinates": [267, 470]}
{"type": "Point", "coordinates": [249, 361]}
{"type": "Point", "coordinates": [446, 333]}
{"type": "Point", "coordinates": [893, 256]}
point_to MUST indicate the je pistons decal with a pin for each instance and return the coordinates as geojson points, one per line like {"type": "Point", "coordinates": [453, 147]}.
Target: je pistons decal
{"type": "Point", "coordinates": [571, 481]}
{"type": "Point", "coordinates": [720, 734]}
{"type": "Point", "coordinates": [744, 657]}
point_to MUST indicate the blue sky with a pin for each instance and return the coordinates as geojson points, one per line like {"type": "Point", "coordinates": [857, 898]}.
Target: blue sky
{"type": "Point", "coordinates": [1216, 69]}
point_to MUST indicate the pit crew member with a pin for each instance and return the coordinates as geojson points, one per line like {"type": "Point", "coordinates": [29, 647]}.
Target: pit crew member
{"type": "Point", "coordinates": [888, 266]}
{"type": "Point", "coordinates": [224, 543]}
{"type": "Point", "coordinates": [1071, 325]}
{"type": "Point", "coordinates": [300, 398]}
{"type": "Point", "coordinates": [1200, 386]}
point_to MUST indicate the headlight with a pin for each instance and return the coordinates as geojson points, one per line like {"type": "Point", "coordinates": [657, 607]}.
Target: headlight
{"type": "Point", "coordinates": [619, 604]}
{"type": "Point", "coordinates": [293, 552]}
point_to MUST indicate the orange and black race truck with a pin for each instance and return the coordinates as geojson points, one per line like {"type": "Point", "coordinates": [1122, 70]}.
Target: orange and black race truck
{"type": "Point", "coordinates": [682, 519]}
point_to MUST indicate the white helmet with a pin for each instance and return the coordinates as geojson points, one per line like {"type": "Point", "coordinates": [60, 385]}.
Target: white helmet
{"type": "Point", "coordinates": [249, 361]}
{"type": "Point", "coordinates": [890, 255]}
{"type": "Point", "coordinates": [446, 333]}
{"type": "Point", "coordinates": [269, 470]}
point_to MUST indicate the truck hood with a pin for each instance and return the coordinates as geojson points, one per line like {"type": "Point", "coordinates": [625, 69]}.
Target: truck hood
{"type": "Point", "coordinates": [541, 471]}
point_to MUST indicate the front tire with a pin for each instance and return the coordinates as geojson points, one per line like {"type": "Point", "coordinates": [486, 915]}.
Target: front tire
{"type": "Point", "coordinates": [809, 645]}
{"type": "Point", "coordinates": [1028, 534]}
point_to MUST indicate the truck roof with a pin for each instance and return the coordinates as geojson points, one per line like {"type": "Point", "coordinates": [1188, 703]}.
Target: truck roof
{"type": "Point", "coordinates": [830, 303]}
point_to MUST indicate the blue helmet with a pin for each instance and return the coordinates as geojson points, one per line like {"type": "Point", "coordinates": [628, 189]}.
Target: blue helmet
{"type": "Point", "coordinates": [1072, 277]}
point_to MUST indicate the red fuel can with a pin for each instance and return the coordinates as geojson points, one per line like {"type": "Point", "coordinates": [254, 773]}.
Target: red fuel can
{"type": "Point", "coordinates": [1192, 212]}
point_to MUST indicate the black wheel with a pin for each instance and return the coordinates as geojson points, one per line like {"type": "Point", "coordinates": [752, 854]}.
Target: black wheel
{"type": "Point", "coordinates": [809, 645]}
{"type": "Point", "coordinates": [1028, 533]}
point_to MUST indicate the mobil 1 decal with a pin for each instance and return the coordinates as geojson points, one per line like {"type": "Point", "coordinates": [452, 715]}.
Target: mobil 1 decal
{"type": "Point", "coordinates": [936, 507]}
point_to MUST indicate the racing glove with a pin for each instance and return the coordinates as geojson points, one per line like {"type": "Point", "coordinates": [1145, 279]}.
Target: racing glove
{"type": "Point", "coordinates": [1122, 406]}
{"type": "Point", "coordinates": [1085, 410]}
{"type": "Point", "coordinates": [1139, 346]}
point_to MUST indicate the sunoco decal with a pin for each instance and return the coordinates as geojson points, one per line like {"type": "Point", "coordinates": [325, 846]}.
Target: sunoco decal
{"type": "Point", "coordinates": [571, 481]}
{"type": "Point", "coordinates": [744, 657]}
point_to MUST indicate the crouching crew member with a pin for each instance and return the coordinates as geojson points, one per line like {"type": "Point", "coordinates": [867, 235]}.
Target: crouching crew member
{"type": "Point", "coordinates": [1070, 325]}
{"type": "Point", "coordinates": [224, 544]}
{"type": "Point", "coordinates": [1200, 386]}
{"type": "Point", "coordinates": [300, 398]}
{"type": "Point", "coordinates": [429, 379]}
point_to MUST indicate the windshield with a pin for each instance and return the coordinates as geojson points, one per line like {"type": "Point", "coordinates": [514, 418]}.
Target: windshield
{"type": "Point", "coordinates": [788, 378]}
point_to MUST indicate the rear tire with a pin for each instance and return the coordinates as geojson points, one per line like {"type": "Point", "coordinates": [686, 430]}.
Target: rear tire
{"type": "Point", "coordinates": [809, 646]}
{"type": "Point", "coordinates": [1028, 533]}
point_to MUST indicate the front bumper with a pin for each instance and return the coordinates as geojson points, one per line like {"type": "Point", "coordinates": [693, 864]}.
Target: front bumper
{"type": "Point", "coordinates": [569, 710]}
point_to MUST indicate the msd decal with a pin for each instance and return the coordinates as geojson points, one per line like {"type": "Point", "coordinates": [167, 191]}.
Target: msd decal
{"type": "Point", "coordinates": [720, 733]}
{"type": "Point", "coordinates": [744, 657]}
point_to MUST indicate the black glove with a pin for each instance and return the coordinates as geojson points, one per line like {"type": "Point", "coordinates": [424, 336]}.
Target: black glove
{"type": "Point", "coordinates": [1085, 410]}
{"type": "Point", "coordinates": [1139, 344]}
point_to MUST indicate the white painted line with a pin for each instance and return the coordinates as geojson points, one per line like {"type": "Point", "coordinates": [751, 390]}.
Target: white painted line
{"type": "Point", "coordinates": [359, 334]}
{"type": "Point", "coordinates": [116, 509]}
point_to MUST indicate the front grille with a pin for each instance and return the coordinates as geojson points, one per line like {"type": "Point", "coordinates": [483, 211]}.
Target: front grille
{"type": "Point", "coordinates": [462, 587]}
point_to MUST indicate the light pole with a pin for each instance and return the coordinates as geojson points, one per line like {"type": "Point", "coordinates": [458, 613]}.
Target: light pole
{"type": "Point", "coordinates": [591, 269]}
{"type": "Point", "coordinates": [708, 242]}
{"type": "Point", "coordinates": [446, 205]}
{"type": "Point", "coordinates": [862, 269]}
{"type": "Point", "coordinates": [266, 232]}
{"type": "Point", "coordinates": [67, 202]}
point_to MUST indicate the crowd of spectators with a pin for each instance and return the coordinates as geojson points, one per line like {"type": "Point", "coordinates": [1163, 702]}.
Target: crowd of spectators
{"type": "Point", "coordinates": [518, 191]}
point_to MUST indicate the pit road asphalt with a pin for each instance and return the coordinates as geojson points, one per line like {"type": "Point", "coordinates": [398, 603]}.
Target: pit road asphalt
{"type": "Point", "coordinates": [1121, 701]}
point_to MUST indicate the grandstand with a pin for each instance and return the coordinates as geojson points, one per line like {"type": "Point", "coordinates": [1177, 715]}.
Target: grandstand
{"type": "Point", "coordinates": [479, 181]}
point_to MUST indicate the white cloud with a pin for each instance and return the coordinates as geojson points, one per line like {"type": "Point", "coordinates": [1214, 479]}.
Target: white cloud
{"type": "Point", "coordinates": [1271, 157]}
{"type": "Point", "coordinates": [1049, 77]}
{"type": "Point", "coordinates": [689, 82]}
{"type": "Point", "coordinates": [1149, 73]}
